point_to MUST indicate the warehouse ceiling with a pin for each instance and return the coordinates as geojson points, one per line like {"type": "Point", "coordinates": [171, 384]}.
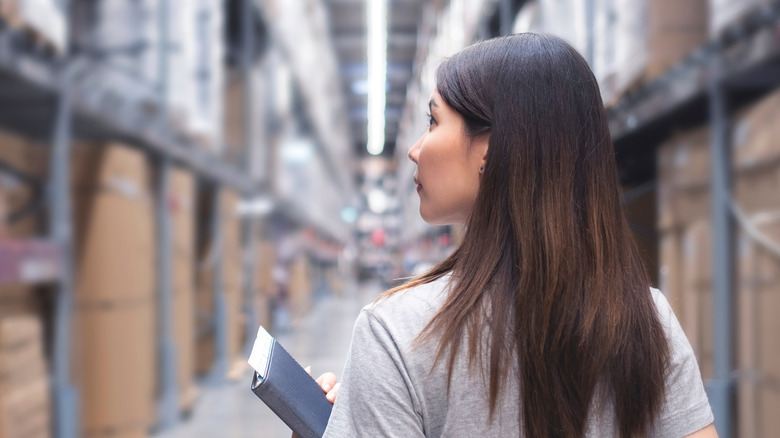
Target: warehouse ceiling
{"type": "Point", "coordinates": [347, 20]}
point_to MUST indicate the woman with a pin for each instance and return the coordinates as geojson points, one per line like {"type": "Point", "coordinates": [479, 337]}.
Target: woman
{"type": "Point", "coordinates": [542, 322]}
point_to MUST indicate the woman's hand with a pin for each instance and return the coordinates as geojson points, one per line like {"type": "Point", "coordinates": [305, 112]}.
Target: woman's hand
{"type": "Point", "coordinates": [329, 384]}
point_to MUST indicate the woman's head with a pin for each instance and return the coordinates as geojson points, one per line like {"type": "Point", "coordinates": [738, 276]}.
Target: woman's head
{"type": "Point", "coordinates": [548, 255]}
{"type": "Point", "coordinates": [531, 114]}
{"type": "Point", "coordinates": [449, 163]}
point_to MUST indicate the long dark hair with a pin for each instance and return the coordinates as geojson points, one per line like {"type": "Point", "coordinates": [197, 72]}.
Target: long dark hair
{"type": "Point", "coordinates": [547, 252]}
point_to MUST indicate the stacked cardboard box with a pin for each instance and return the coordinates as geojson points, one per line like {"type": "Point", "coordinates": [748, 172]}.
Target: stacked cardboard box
{"type": "Point", "coordinates": [757, 194]}
{"type": "Point", "coordinates": [114, 319]}
{"type": "Point", "coordinates": [181, 204]}
{"type": "Point", "coordinates": [686, 263]}
{"type": "Point", "coordinates": [24, 387]}
{"type": "Point", "coordinates": [232, 289]}
{"type": "Point", "coordinates": [684, 229]}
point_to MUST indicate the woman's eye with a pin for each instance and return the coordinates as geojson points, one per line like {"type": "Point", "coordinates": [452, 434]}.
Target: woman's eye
{"type": "Point", "coordinates": [431, 120]}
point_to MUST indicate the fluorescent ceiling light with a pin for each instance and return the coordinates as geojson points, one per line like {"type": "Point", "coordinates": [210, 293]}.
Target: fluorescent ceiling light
{"type": "Point", "coordinates": [377, 74]}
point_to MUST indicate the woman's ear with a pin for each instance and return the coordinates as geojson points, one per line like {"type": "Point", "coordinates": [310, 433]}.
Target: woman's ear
{"type": "Point", "coordinates": [480, 147]}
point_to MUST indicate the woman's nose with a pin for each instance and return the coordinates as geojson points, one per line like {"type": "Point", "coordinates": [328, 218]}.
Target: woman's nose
{"type": "Point", "coordinates": [414, 151]}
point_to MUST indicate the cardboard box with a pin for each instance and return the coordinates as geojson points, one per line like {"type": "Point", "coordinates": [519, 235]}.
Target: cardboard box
{"type": "Point", "coordinates": [21, 352]}
{"type": "Point", "coordinates": [25, 412]}
{"type": "Point", "coordinates": [670, 270]}
{"type": "Point", "coordinates": [683, 175]}
{"type": "Point", "coordinates": [114, 354]}
{"type": "Point", "coordinates": [19, 300]}
{"type": "Point", "coordinates": [696, 319]}
{"type": "Point", "coordinates": [114, 225]}
{"type": "Point", "coordinates": [300, 286]}
{"type": "Point", "coordinates": [755, 133]}
{"type": "Point", "coordinates": [113, 166]}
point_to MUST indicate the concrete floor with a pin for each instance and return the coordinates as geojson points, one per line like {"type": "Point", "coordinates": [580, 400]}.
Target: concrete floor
{"type": "Point", "coordinates": [321, 340]}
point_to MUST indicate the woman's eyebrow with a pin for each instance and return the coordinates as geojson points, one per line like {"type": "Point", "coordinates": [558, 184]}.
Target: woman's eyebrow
{"type": "Point", "coordinates": [432, 103]}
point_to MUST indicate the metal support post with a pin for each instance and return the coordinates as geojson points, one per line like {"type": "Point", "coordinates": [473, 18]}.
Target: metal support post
{"type": "Point", "coordinates": [249, 262]}
{"type": "Point", "coordinates": [64, 395]}
{"type": "Point", "coordinates": [248, 232]}
{"type": "Point", "coordinates": [720, 389]}
{"type": "Point", "coordinates": [220, 367]}
{"type": "Point", "coordinates": [168, 402]}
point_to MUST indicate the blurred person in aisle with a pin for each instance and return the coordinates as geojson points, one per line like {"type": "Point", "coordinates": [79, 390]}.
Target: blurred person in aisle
{"type": "Point", "coordinates": [542, 322]}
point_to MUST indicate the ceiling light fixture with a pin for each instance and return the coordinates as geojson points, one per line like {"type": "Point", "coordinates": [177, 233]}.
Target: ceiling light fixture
{"type": "Point", "coordinates": [377, 74]}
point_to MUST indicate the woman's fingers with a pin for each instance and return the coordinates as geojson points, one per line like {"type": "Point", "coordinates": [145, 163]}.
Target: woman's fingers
{"type": "Point", "coordinates": [327, 381]}
{"type": "Point", "coordinates": [329, 384]}
{"type": "Point", "coordinates": [331, 395]}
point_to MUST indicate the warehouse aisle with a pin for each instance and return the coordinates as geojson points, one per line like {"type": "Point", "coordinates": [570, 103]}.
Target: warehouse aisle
{"type": "Point", "coordinates": [321, 340]}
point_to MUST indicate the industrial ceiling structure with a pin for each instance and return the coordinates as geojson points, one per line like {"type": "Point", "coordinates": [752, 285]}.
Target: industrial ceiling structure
{"type": "Point", "coordinates": [348, 20]}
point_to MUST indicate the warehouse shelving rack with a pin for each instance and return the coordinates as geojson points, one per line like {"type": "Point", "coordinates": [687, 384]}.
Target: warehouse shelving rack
{"type": "Point", "coordinates": [52, 100]}
{"type": "Point", "coordinates": [738, 67]}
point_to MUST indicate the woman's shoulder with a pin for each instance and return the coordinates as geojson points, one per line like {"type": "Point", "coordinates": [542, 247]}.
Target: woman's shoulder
{"type": "Point", "coordinates": [404, 314]}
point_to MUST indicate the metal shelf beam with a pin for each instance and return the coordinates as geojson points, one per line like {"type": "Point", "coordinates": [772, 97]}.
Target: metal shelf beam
{"type": "Point", "coordinates": [747, 60]}
{"type": "Point", "coordinates": [129, 115]}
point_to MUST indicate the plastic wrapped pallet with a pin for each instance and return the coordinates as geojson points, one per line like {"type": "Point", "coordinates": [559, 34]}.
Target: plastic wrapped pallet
{"type": "Point", "coordinates": [604, 36]}
{"type": "Point", "coordinates": [206, 75]}
{"type": "Point", "coordinates": [635, 42]}
{"type": "Point", "coordinates": [724, 13]}
{"type": "Point", "coordinates": [566, 19]}
{"type": "Point", "coordinates": [44, 19]}
{"type": "Point", "coordinates": [125, 35]}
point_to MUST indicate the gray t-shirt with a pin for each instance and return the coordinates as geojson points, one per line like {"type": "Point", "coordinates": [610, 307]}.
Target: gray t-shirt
{"type": "Point", "coordinates": [389, 389]}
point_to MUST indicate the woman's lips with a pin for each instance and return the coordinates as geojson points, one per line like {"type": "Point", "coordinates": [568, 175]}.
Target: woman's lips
{"type": "Point", "coordinates": [419, 186]}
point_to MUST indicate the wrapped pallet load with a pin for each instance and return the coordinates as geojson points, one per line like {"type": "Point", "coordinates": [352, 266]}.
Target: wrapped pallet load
{"type": "Point", "coordinates": [756, 182]}
{"type": "Point", "coordinates": [114, 349]}
{"type": "Point", "coordinates": [635, 42]}
{"type": "Point", "coordinates": [725, 13]}
{"type": "Point", "coordinates": [45, 20]}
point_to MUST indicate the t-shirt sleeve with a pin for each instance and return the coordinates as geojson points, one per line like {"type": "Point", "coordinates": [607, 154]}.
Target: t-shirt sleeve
{"type": "Point", "coordinates": [376, 397]}
{"type": "Point", "coordinates": [686, 408]}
